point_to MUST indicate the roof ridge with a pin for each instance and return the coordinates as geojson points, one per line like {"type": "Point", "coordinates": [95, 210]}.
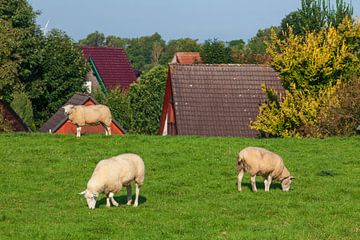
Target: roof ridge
{"type": "Point", "coordinates": [99, 47]}
{"type": "Point", "coordinates": [223, 64]}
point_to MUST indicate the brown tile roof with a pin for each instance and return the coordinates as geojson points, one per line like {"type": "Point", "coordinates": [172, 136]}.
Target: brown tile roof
{"type": "Point", "coordinates": [219, 100]}
{"type": "Point", "coordinates": [112, 65]}
{"type": "Point", "coordinates": [59, 118]}
{"type": "Point", "coordinates": [15, 123]}
{"type": "Point", "coordinates": [187, 58]}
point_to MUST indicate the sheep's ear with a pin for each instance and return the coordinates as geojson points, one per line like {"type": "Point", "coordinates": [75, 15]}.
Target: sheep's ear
{"type": "Point", "coordinates": [82, 193]}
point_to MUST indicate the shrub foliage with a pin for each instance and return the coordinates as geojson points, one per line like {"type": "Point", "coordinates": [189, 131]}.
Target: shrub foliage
{"type": "Point", "coordinates": [319, 72]}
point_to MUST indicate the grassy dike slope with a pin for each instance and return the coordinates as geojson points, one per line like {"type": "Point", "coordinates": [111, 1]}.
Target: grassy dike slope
{"type": "Point", "coordinates": [189, 190]}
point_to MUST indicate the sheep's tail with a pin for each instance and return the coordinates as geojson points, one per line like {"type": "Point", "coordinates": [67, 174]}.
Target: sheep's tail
{"type": "Point", "coordinates": [239, 162]}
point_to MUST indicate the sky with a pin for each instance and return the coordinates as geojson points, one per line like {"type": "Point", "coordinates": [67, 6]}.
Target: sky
{"type": "Point", "coordinates": [173, 19]}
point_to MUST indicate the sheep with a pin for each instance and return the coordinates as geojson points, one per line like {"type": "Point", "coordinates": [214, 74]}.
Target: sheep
{"type": "Point", "coordinates": [261, 162]}
{"type": "Point", "coordinates": [89, 115]}
{"type": "Point", "coordinates": [111, 174]}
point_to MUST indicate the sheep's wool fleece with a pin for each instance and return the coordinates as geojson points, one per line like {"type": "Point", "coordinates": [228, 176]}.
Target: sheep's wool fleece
{"type": "Point", "coordinates": [91, 114]}
{"type": "Point", "coordinates": [260, 161]}
{"type": "Point", "coordinates": [113, 173]}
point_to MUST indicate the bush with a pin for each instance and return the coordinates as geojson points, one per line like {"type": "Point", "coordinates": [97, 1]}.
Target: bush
{"type": "Point", "coordinates": [291, 116]}
{"type": "Point", "coordinates": [146, 98]}
{"type": "Point", "coordinates": [119, 104]}
{"type": "Point", "coordinates": [21, 104]}
{"type": "Point", "coordinates": [341, 113]}
{"type": "Point", "coordinates": [5, 125]}
{"type": "Point", "coordinates": [138, 109]}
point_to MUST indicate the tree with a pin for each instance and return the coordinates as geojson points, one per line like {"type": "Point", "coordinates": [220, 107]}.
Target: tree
{"type": "Point", "coordinates": [119, 102]}
{"type": "Point", "coordinates": [21, 104]}
{"type": "Point", "coordinates": [9, 60]}
{"type": "Point", "coordinates": [18, 38]}
{"type": "Point", "coordinates": [312, 69]}
{"type": "Point", "coordinates": [113, 41]}
{"type": "Point", "coordinates": [254, 52]}
{"type": "Point", "coordinates": [63, 74]}
{"type": "Point", "coordinates": [317, 60]}
{"type": "Point", "coordinates": [140, 50]}
{"type": "Point", "coordinates": [179, 45]}
{"type": "Point", "coordinates": [156, 53]}
{"type": "Point", "coordinates": [315, 15]}
{"type": "Point", "coordinates": [146, 98]}
{"type": "Point", "coordinates": [215, 51]}
{"type": "Point", "coordinates": [95, 39]}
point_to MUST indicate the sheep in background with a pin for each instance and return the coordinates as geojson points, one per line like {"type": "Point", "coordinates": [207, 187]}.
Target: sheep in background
{"type": "Point", "coordinates": [111, 174]}
{"type": "Point", "coordinates": [262, 162]}
{"type": "Point", "coordinates": [89, 115]}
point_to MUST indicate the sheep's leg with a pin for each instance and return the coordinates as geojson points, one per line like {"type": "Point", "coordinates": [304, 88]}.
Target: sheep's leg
{"type": "Point", "coordinates": [136, 203]}
{"type": "Point", "coordinates": [253, 183]}
{"type": "Point", "coordinates": [109, 130]}
{"type": "Point", "coordinates": [78, 131]}
{"type": "Point", "coordinates": [239, 179]}
{"type": "Point", "coordinates": [108, 200]}
{"type": "Point", "coordinates": [129, 198]}
{"type": "Point", "coordinates": [267, 183]}
{"type": "Point", "coordinates": [115, 203]}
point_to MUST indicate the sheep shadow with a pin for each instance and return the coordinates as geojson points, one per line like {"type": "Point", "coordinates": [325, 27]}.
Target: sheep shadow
{"type": "Point", "coordinates": [261, 186]}
{"type": "Point", "coordinates": [122, 200]}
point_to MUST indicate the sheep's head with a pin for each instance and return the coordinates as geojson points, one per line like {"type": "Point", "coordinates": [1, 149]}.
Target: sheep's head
{"type": "Point", "coordinates": [286, 182]}
{"type": "Point", "coordinates": [68, 109]}
{"type": "Point", "coordinates": [90, 198]}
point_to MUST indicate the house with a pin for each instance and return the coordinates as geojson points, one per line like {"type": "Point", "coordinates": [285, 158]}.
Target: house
{"type": "Point", "coordinates": [10, 120]}
{"type": "Point", "coordinates": [59, 122]}
{"type": "Point", "coordinates": [215, 100]}
{"type": "Point", "coordinates": [110, 68]}
{"type": "Point", "coordinates": [186, 58]}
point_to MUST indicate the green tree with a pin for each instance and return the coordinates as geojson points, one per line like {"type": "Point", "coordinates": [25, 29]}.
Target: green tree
{"type": "Point", "coordinates": [259, 43]}
{"type": "Point", "coordinates": [214, 51]}
{"type": "Point", "coordinates": [119, 102]}
{"type": "Point", "coordinates": [95, 39]}
{"type": "Point", "coordinates": [140, 50]}
{"type": "Point", "coordinates": [146, 98]}
{"type": "Point", "coordinates": [254, 52]}
{"type": "Point", "coordinates": [315, 15]}
{"type": "Point", "coordinates": [23, 107]}
{"type": "Point", "coordinates": [179, 45]}
{"type": "Point", "coordinates": [114, 41]}
{"type": "Point", "coordinates": [18, 38]}
{"type": "Point", "coordinates": [9, 60]}
{"type": "Point", "coordinates": [63, 74]}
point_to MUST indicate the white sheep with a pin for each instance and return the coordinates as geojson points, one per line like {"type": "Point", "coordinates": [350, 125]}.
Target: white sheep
{"type": "Point", "coordinates": [81, 115]}
{"type": "Point", "coordinates": [261, 162]}
{"type": "Point", "coordinates": [111, 174]}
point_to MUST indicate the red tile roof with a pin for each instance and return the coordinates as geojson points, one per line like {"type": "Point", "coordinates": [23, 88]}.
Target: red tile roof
{"type": "Point", "coordinates": [187, 58]}
{"type": "Point", "coordinates": [112, 65]}
{"type": "Point", "coordinates": [217, 100]}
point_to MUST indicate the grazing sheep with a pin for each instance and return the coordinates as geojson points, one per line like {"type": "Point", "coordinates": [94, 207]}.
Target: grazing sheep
{"type": "Point", "coordinates": [89, 115]}
{"type": "Point", "coordinates": [111, 174]}
{"type": "Point", "coordinates": [261, 162]}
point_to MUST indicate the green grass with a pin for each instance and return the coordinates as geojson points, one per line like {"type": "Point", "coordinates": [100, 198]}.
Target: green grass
{"type": "Point", "coordinates": [189, 191]}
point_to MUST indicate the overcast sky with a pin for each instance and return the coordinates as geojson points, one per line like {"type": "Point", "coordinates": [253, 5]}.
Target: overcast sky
{"type": "Point", "coordinates": [172, 19]}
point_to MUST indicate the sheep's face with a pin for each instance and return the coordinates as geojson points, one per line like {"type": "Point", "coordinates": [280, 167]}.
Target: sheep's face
{"type": "Point", "coordinates": [285, 184]}
{"type": "Point", "coordinates": [67, 109]}
{"type": "Point", "coordinates": [90, 198]}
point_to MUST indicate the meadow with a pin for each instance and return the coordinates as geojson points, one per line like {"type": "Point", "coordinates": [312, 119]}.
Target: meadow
{"type": "Point", "coordinates": [189, 192]}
